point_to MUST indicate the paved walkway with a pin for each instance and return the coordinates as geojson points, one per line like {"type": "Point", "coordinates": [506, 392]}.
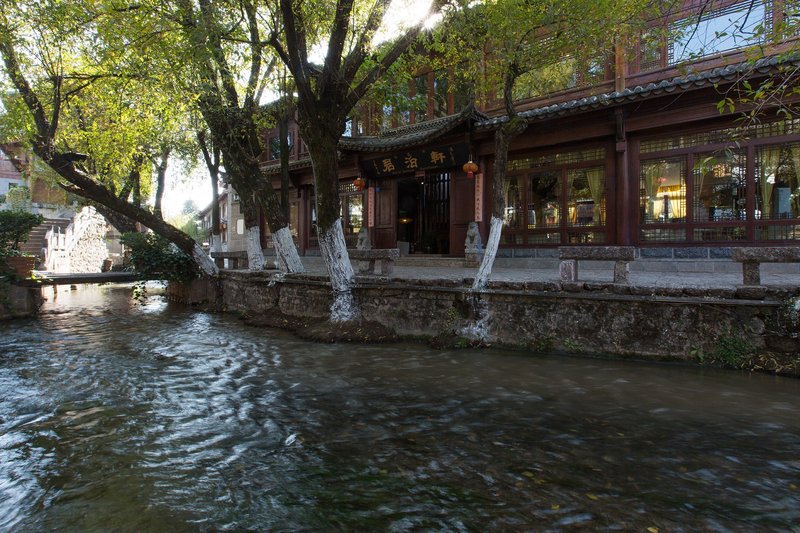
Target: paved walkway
{"type": "Point", "coordinates": [770, 276]}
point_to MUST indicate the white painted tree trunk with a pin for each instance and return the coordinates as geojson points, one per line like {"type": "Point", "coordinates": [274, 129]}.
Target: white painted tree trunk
{"type": "Point", "coordinates": [205, 262]}
{"type": "Point", "coordinates": [489, 255]}
{"type": "Point", "coordinates": [286, 252]}
{"type": "Point", "coordinates": [216, 243]}
{"type": "Point", "coordinates": [255, 255]}
{"type": "Point", "coordinates": [333, 248]}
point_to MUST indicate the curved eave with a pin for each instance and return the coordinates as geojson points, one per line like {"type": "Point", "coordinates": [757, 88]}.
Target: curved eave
{"type": "Point", "coordinates": [273, 169]}
{"type": "Point", "coordinates": [412, 135]}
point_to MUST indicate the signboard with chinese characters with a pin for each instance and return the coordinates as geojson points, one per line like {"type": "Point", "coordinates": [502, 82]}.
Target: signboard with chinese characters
{"type": "Point", "coordinates": [413, 160]}
{"type": "Point", "coordinates": [371, 207]}
{"type": "Point", "coordinates": [479, 197]}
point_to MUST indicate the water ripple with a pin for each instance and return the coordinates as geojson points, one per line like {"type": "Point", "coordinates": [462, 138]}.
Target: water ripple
{"type": "Point", "coordinates": [157, 418]}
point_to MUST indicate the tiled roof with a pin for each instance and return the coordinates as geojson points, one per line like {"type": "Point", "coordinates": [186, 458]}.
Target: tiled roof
{"type": "Point", "coordinates": [393, 139]}
{"type": "Point", "coordinates": [420, 133]}
{"type": "Point", "coordinates": [705, 78]}
{"type": "Point", "coordinates": [275, 168]}
{"type": "Point", "coordinates": [412, 135]}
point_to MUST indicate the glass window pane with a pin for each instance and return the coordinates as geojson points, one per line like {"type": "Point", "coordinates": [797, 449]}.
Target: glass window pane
{"type": "Point", "coordinates": [512, 219]}
{"type": "Point", "coordinates": [544, 203]}
{"type": "Point", "coordinates": [294, 218]}
{"type": "Point", "coordinates": [651, 51]}
{"type": "Point", "coordinates": [720, 191]}
{"type": "Point", "coordinates": [733, 27]}
{"type": "Point", "coordinates": [355, 213]}
{"type": "Point", "coordinates": [586, 197]}
{"type": "Point", "coordinates": [777, 232]}
{"type": "Point", "coordinates": [662, 191]}
{"type": "Point", "coordinates": [777, 188]}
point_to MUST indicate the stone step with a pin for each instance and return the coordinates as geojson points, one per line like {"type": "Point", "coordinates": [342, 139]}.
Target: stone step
{"type": "Point", "coordinates": [36, 238]}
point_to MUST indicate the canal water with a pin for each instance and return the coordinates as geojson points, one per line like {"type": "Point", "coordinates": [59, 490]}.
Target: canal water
{"type": "Point", "coordinates": [127, 417]}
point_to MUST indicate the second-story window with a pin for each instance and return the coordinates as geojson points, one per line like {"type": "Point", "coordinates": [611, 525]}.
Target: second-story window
{"type": "Point", "coordinates": [352, 128]}
{"type": "Point", "coordinates": [735, 26]}
{"type": "Point", "coordinates": [275, 146]}
{"type": "Point", "coordinates": [712, 31]}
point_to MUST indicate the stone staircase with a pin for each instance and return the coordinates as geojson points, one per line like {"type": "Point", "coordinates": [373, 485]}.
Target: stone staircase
{"type": "Point", "coordinates": [37, 238]}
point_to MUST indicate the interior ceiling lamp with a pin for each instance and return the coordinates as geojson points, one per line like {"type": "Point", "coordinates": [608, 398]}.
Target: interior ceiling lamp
{"type": "Point", "coordinates": [359, 183]}
{"type": "Point", "coordinates": [470, 168]}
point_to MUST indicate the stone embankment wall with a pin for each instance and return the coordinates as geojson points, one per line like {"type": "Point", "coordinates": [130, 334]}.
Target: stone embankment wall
{"type": "Point", "coordinates": [590, 318]}
{"type": "Point", "coordinates": [17, 301]}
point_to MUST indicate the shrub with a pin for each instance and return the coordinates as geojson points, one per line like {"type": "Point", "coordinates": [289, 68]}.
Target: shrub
{"type": "Point", "coordinates": [154, 257]}
{"type": "Point", "coordinates": [15, 226]}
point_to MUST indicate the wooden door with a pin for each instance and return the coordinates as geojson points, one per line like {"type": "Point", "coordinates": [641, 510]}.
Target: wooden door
{"type": "Point", "coordinates": [385, 230]}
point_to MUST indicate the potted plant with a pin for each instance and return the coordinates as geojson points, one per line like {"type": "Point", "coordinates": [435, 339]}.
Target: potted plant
{"type": "Point", "coordinates": [15, 226]}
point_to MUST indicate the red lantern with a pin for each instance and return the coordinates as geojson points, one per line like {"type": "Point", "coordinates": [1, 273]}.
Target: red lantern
{"type": "Point", "coordinates": [359, 184]}
{"type": "Point", "coordinates": [470, 168]}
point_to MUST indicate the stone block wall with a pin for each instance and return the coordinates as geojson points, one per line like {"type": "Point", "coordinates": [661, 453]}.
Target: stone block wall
{"type": "Point", "coordinates": [90, 250]}
{"type": "Point", "coordinates": [576, 318]}
{"type": "Point", "coordinates": [19, 301]}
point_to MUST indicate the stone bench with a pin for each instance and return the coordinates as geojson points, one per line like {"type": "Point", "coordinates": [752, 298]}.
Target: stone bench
{"type": "Point", "coordinates": [387, 257]}
{"type": "Point", "coordinates": [751, 259]}
{"type": "Point", "coordinates": [570, 255]}
{"type": "Point", "coordinates": [234, 258]}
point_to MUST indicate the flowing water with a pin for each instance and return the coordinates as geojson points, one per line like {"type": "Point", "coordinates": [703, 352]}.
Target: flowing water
{"type": "Point", "coordinates": [126, 417]}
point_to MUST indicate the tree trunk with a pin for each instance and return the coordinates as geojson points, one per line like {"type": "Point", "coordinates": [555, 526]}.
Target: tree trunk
{"type": "Point", "coordinates": [237, 141]}
{"type": "Point", "coordinates": [255, 255]}
{"type": "Point", "coordinates": [212, 164]}
{"type": "Point", "coordinates": [121, 222]}
{"type": "Point", "coordinates": [135, 176]}
{"type": "Point", "coordinates": [161, 177]}
{"type": "Point", "coordinates": [95, 191]}
{"type": "Point", "coordinates": [502, 140]}
{"type": "Point", "coordinates": [333, 248]}
{"type": "Point", "coordinates": [283, 133]}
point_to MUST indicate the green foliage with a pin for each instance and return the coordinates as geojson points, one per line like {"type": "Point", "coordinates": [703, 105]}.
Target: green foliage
{"type": "Point", "coordinates": [154, 257]}
{"type": "Point", "coordinates": [19, 198]}
{"type": "Point", "coordinates": [187, 221]}
{"type": "Point", "coordinates": [732, 352]}
{"type": "Point", "coordinates": [14, 229]}
{"type": "Point", "coordinates": [543, 344]}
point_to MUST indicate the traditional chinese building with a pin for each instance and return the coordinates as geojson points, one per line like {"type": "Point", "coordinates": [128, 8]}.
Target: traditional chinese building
{"type": "Point", "coordinates": [634, 153]}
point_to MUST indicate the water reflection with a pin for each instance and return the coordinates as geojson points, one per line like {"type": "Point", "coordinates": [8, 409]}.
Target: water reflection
{"type": "Point", "coordinates": [158, 418]}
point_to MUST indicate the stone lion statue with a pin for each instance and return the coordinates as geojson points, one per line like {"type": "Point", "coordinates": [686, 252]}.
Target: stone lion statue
{"type": "Point", "coordinates": [363, 240]}
{"type": "Point", "coordinates": [473, 241]}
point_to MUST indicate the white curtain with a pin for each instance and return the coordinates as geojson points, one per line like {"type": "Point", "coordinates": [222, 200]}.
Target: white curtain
{"type": "Point", "coordinates": [768, 160]}
{"type": "Point", "coordinates": [795, 149]}
{"type": "Point", "coordinates": [652, 171]}
{"type": "Point", "coordinates": [596, 178]}
{"type": "Point", "coordinates": [675, 206]}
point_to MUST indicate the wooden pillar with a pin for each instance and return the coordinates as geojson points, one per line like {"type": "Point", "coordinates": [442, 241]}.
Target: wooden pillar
{"type": "Point", "coordinates": [623, 210]}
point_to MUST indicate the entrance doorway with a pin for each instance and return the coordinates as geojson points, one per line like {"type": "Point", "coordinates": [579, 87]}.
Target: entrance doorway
{"type": "Point", "coordinates": [423, 213]}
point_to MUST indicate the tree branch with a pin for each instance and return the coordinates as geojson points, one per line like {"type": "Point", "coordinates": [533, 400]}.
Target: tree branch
{"type": "Point", "coordinates": [296, 54]}
{"type": "Point", "coordinates": [356, 57]}
{"type": "Point", "coordinates": [14, 72]}
{"type": "Point", "coordinates": [333, 59]}
{"type": "Point", "coordinates": [214, 46]}
{"type": "Point", "coordinates": [257, 52]}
